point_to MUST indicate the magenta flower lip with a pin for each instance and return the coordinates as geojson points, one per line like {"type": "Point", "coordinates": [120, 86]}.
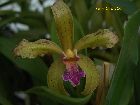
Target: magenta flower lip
{"type": "Point", "coordinates": [73, 73]}
{"type": "Point", "coordinates": [73, 77]}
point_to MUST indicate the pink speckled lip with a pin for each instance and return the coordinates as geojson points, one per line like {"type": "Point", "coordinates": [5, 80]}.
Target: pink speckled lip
{"type": "Point", "coordinates": [73, 73]}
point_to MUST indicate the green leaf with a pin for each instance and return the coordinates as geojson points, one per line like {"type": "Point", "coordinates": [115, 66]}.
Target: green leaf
{"type": "Point", "coordinates": [63, 99]}
{"type": "Point", "coordinates": [126, 5]}
{"type": "Point", "coordinates": [53, 33]}
{"type": "Point", "coordinates": [7, 12]}
{"type": "Point", "coordinates": [31, 18]}
{"type": "Point", "coordinates": [137, 73]}
{"type": "Point", "coordinates": [81, 11]}
{"type": "Point", "coordinates": [54, 37]}
{"type": "Point", "coordinates": [78, 31]}
{"type": "Point", "coordinates": [6, 21]}
{"type": "Point", "coordinates": [92, 75]}
{"type": "Point", "coordinates": [7, 3]}
{"type": "Point", "coordinates": [78, 34]}
{"type": "Point", "coordinates": [137, 83]}
{"type": "Point", "coordinates": [46, 101]}
{"type": "Point", "coordinates": [32, 34]}
{"type": "Point", "coordinates": [113, 19]}
{"type": "Point", "coordinates": [32, 22]}
{"type": "Point", "coordinates": [102, 38]}
{"type": "Point", "coordinates": [36, 67]}
{"type": "Point", "coordinates": [54, 77]}
{"type": "Point", "coordinates": [4, 101]}
{"type": "Point", "coordinates": [3, 95]}
{"type": "Point", "coordinates": [96, 20]}
{"type": "Point", "coordinates": [121, 88]}
{"type": "Point", "coordinates": [64, 23]}
{"type": "Point", "coordinates": [27, 49]}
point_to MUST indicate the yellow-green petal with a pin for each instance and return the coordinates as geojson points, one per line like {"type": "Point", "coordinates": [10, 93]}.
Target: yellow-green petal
{"type": "Point", "coordinates": [92, 75]}
{"type": "Point", "coordinates": [102, 38]}
{"type": "Point", "coordinates": [54, 76]}
{"type": "Point", "coordinates": [64, 23]}
{"type": "Point", "coordinates": [27, 49]}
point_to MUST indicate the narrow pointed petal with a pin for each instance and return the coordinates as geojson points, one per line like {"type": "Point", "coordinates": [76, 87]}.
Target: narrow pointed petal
{"type": "Point", "coordinates": [27, 49]}
{"type": "Point", "coordinates": [64, 23]}
{"type": "Point", "coordinates": [102, 38]}
{"type": "Point", "coordinates": [92, 75]}
{"type": "Point", "coordinates": [54, 76]}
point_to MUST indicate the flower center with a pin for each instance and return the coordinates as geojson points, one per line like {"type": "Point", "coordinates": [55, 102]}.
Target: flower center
{"type": "Point", "coordinates": [70, 55]}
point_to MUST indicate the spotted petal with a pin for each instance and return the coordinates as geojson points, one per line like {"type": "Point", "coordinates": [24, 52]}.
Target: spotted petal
{"type": "Point", "coordinates": [92, 75]}
{"type": "Point", "coordinates": [27, 49]}
{"type": "Point", "coordinates": [64, 23]}
{"type": "Point", "coordinates": [54, 76]}
{"type": "Point", "coordinates": [102, 38]}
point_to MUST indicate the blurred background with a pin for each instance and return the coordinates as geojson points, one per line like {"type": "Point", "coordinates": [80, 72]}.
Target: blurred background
{"type": "Point", "coordinates": [33, 20]}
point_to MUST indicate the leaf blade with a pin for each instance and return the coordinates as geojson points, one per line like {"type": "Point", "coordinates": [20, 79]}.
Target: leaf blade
{"type": "Point", "coordinates": [122, 84]}
{"type": "Point", "coordinates": [44, 91]}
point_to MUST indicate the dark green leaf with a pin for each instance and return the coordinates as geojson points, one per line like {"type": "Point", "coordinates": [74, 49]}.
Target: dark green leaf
{"type": "Point", "coordinates": [4, 101]}
{"type": "Point", "coordinates": [137, 76]}
{"type": "Point", "coordinates": [78, 31]}
{"type": "Point", "coordinates": [137, 84]}
{"type": "Point", "coordinates": [7, 21]}
{"type": "Point", "coordinates": [126, 5]}
{"type": "Point", "coordinates": [80, 9]}
{"type": "Point", "coordinates": [3, 95]}
{"type": "Point", "coordinates": [66, 100]}
{"type": "Point", "coordinates": [7, 12]}
{"type": "Point", "coordinates": [121, 89]}
{"type": "Point", "coordinates": [7, 3]}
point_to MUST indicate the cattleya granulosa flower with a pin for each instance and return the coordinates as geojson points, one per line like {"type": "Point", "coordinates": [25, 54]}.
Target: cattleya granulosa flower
{"type": "Point", "coordinates": [71, 66]}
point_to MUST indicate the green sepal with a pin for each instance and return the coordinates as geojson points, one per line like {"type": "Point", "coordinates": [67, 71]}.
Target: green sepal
{"type": "Point", "coordinates": [102, 38]}
{"type": "Point", "coordinates": [92, 75]}
{"type": "Point", "coordinates": [54, 76]}
{"type": "Point", "coordinates": [64, 23]}
{"type": "Point", "coordinates": [27, 49]}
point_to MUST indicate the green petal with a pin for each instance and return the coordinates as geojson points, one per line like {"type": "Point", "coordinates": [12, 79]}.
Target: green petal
{"type": "Point", "coordinates": [92, 75]}
{"type": "Point", "coordinates": [54, 77]}
{"type": "Point", "coordinates": [102, 38]}
{"type": "Point", "coordinates": [64, 23]}
{"type": "Point", "coordinates": [27, 49]}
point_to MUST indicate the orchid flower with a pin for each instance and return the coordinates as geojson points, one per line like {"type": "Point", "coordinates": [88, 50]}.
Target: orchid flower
{"type": "Point", "coordinates": [70, 66]}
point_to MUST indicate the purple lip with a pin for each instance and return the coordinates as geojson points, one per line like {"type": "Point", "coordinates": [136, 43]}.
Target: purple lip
{"type": "Point", "coordinates": [73, 74]}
